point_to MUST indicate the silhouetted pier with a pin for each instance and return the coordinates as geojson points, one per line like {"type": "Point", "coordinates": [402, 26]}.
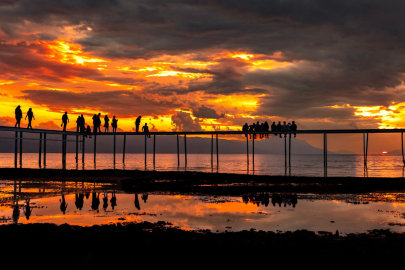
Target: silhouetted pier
{"type": "Point", "coordinates": [79, 138]}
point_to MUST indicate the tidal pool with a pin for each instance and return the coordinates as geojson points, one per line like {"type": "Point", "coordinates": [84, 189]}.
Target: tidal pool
{"type": "Point", "coordinates": [87, 204]}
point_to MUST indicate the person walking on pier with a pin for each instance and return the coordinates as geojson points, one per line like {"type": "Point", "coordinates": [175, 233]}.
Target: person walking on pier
{"type": "Point", "coordinates": [145, 129]}
{"type": "Point", "coordinates": [106, 123]}
{"type": "Point", "coordinates": [114, 124]}
{"type": "Point", "coordinates": [30, 115]}
{"type": "Point", "coordinates": [65, 120]}
{"type": "Point", "coordinates": [18, 116]}
{"type": "Point", "coordinates": [137, 123]}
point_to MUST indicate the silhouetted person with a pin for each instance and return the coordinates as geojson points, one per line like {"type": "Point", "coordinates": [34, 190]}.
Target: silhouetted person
{"type": "Point", "coordinates": [279, 127]}
{"type": "Point", "coordinates": [261, 129]}
{"type": "Point", "coordinates": [274, 127]}
{"type": "Point", "coordinates": [79, 202]}
{"type": "Point", "coordinates": [137, 123]}
{"type": "Point", "coordinates": [88, 131]}
{"type": "Point", "coordinates": [82, 126]}
{"type": "Point", "coordinates": [113, 200]}
{"type": "Point", "coordinates": [65, 120]}
{"type": "Point", "coordinates": [18, 116]}
{"type": "Point", "coordinates": [16, 212]}
{"type": "Point", "coordinates": [27, 209]}
{"type": "Point", "coordinates": [63, 204]}
{"type": "Point", "coordinates": [145, 129]}
{"type": "Point", "coordinates": [245, 128]}
{"type": "Point", "coordinates": [114, 124]}
{"type": "Point", "coordinates": [98, 122]}
{"type": "Point", "coordinates": [266, 128]}
{"type": "Point", "coordinates": [294, 128]}
{"type": "Point", "coordinates": [106, 123]}
{"type": "Point", "coordinates": [95, 200]}
{"type": "Point", "coordinates": [251, 128]}
{"type": "Point", "coordinates": [95, 123]}
{"type": "Point", "coordinates": [105, 201]}
{"type": "Point", "coordinates": [78, 123]}
{"type": "Point", "coordinates": [144, 197]}
{"type": "Point", "coordinates": [137, 206]}
{"type": "Point", "coordinates": [30, 115]}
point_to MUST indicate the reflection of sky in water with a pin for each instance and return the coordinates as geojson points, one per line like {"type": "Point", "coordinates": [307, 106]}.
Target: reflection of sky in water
{"type": "Point", "coordinates": [346, 213]}
{"type": "Point", "coordinates": [301, 165]}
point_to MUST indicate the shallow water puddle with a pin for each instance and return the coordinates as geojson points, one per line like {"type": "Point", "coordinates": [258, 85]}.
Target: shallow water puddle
{"type": "Point", "coordinates": [91, 204]}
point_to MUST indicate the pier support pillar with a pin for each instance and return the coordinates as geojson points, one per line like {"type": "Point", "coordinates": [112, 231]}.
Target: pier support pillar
{"type": "Point", "coordinates": [154, 150]}
{"type": "Point", "coordinates": [114, 149]}
{"type": "Point", "coordinates": [289, 152]}
{"type": "Point", "coordinates": [402, 145]}
{"type": "Point", "coordinates": [212, 151]}
{"type": "Point", "coordinates": [285, 151]}
{"type": "Point", "coordinates": [365, 148]}
{"type": "Point", "coordinates": [44, 150]}
{"type": "Point", "coordinates": [15, 149]}
{"type": "Point", "coordinates": [145, 151]}
{"type": "Point", "coordinates": [123, 150]}
{"type": "Point", "coordinates": [95, 146]}
{"type": "Point", "coordinates": [253, 151]}
{"type": "Point", "coordinates": [185, 150]}
{"type": "Point", "coordinates": [77, 149]}
{"type": "Point", "coordinates": [247, 150]}
{"type": "Point", "coordinates": [217, 152]}
{"type": "Point", "coordinates": [325, 154]}
{"type": "Point", "coordinates": [40, 149]}
{"type": "Point", "coordinates": [83, 144]}
{"type": "Point", "coordinates": [178, 152]}
{"type": "Point", "coordinates": [21, 143]}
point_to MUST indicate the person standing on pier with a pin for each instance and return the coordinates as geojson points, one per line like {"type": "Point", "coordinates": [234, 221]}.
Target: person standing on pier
{"type": "Point", "coordinates": [65, 120]}
{"type": "Point", "coordinates": [114, 124]}
{"type": "Point", "coordinates": [30, 115]}
{"type": "Point", "coordinates": [279, 127]}
{"type": "Point", "coordinates": [294, 128]}
{"type": "Point", "coordinates": [94, 123]}
{"type": "Point", "coordinates": [145, 129]}
{"type": "Point", "coordinates": [106, 123]}
{"type": "Point", "coordinates": [18, 116]}
{"type": "Point", "coordinates": [78, 123]}
{"type": "Point", "coordinates": [137, 123]}
{"type": "Point", "coordinates": [245, 128]}
{"type": "Point", "coordinates": [99, 122]}
{"type": "Point", "coordinates": [82, 126]}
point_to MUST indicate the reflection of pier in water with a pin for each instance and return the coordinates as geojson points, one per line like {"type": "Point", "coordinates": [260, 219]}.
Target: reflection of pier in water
{"type": "Point", "coordinates": [79, 140]}
{"type": "Point", "coordinates": [275, 199]}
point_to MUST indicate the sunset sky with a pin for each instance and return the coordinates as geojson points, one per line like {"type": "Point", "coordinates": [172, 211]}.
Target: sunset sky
{"type": "Point", "coordinates": [206, 65]}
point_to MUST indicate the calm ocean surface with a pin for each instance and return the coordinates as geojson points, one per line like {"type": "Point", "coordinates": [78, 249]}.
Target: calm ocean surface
{"type": "Point", "coordinates": [265, 164]}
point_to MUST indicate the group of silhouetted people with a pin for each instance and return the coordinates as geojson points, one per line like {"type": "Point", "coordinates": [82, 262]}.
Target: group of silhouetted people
{"type": "Point", "coordinates": [81, 123]}
{"type": "Point", "coordinates": [264, 127]}
{"type": "Point", "coordinates": [264, 199]}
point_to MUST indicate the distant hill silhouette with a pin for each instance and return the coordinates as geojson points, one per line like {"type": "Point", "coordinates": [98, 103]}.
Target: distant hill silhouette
{"type": "Point", "coordinates": [395, 153]}
{"type": "Point", "coordinates": [166, 144]}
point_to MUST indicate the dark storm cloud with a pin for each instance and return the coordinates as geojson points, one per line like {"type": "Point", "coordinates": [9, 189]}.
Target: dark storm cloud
{"type": "Point", "coordinates": [342, 51]}
{"type": "Point", "coordinates": [205, 112]}
{"type": "Point", "coordinates": [120, 103]}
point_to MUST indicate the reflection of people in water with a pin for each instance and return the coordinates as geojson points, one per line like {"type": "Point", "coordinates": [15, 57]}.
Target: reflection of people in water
{"type": "Point", "coordinates": [137, 206]}
{"type": "Point", "coordinates": [87, 195]}
{"type": "Point", "coordinates": [113, 200]}
{"type": "Point", "coordinates": [144, 197]}
{"type": "Point", "coordinates": [27, 209]}
{"type": "Point", "coordinates": [63, 204]}
{"type": "Point", "coordinates": [16, 212]}
{"type": "Point", "coordinates": [105, 201]}
{"type": "Point", "coordinates": [79, 202]}
{"type": "Point", "coordinates": [95, 200]}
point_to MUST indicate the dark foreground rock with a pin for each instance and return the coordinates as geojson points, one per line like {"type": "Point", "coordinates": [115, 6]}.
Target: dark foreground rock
{"type": "Point", "coordinates": [158, 245]}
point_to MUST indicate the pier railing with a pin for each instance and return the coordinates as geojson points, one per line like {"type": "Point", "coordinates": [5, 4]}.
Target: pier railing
{"type": "Point", "coordinates": [80, 139]}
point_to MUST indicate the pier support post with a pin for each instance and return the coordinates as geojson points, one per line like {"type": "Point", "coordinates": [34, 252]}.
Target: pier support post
{"type": "Point", "coordinates": [123, 150]}
{"type": "Point", "coordinates": [212, 151]}
{"type": "Point", "coordinates": [40, 149]}
{"type": "Point", "coordinates": [83, 144]}
{"type": "Point", "coordinates": [114, 149]}
{"type": "Point", "coordinates": [253, 151]}
{"type": "Point", "coordinates": [365, 148]}
{"type": "Point", "coordinates": [21, 143]}
{"type": "Point", "coordinates": [402, 145]}
{"type": "Point", "coordinates": [289, 152]}
{"type": "Point", "coordinates": [178, 154]}
{"type": "Point", "coordinates": [44, 150]}
{"type": "Point", "coordinates": [185, 150]}
{"type": "Point", "coordinates": [15, 148]}
{"type": "Point", "coordinates": [247, 149]}
{"type": "Point", "coordinates": [154, 149]}
{"type": "Point", "coordinates": [145, 151]}
{"type": "Point", "coordinates": [217, 152]}
{"type": "Point", "coordinates": [77, 149]}
{"type": "Point", "coordinates": [95, 146]}
{"type": "Point", "coordinates": [285, 151]}
{"type": "Point", "coordinates": [63, 150]}
{"type": "Point", "coordinates": [325, 154]}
